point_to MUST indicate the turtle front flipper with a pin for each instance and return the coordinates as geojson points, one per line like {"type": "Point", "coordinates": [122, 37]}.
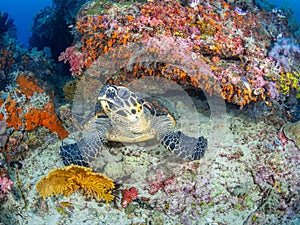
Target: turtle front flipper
{"type": "Point", "coordinates": [71, 154]}
{"type": "Point", "coordinates": [185, 147]}
{"type": "Point", "coordinates": [88, 148]}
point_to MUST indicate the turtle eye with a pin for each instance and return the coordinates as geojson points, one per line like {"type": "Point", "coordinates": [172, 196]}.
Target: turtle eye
{"type": "Point", "coordinates": [123, 93]}
{"type": "Point", "coordinates": [111, 93]}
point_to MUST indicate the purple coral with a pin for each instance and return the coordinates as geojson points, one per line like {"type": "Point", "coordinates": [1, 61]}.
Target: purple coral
{"type": "Point", "coordinates": [271, 87]}
{"type": "Point", "coordinates": [5, 187]}
{"type": "Point", "coordinates": [283, 51]}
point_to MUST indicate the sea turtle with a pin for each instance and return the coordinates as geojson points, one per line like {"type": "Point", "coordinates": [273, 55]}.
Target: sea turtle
{"type": "Point", "coordinates": [127, 117]}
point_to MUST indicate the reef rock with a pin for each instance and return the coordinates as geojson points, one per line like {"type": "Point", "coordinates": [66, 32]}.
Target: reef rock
{"type": "Point", "coordinates": [3, 136]}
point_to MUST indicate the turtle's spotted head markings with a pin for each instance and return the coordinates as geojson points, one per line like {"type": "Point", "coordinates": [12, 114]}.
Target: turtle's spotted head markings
{"type": "Point", "coordinates": [120, 104]}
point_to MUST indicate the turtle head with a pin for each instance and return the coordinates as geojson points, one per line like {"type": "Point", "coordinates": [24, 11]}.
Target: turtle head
{"type": "Point", "coordinates": [120, 103]}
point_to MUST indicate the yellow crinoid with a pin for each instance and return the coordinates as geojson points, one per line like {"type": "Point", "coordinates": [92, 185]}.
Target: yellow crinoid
{"type": "Point", "coordinates": [71, 178]}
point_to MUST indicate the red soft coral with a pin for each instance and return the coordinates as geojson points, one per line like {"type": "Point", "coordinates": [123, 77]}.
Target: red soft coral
{"type": "Point", "coordinates": [128, 196]}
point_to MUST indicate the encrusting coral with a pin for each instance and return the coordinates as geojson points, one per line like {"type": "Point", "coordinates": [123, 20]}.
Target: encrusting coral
{"type": "Point", "coordinates": [72, 178]}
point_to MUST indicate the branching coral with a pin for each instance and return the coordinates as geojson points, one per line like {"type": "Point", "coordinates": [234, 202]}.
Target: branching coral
{"type": "Point", "coordinates": [72, 178]}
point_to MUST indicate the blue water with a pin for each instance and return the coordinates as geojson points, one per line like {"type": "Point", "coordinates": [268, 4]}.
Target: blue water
{"type": "Point", "coordinates": [293, 4]}
{"type": "Point", "coordinates": [23, 12]}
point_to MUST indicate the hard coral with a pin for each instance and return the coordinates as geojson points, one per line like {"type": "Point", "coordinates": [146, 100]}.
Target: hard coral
{"type": "Point", "coordinates": [72, 178]}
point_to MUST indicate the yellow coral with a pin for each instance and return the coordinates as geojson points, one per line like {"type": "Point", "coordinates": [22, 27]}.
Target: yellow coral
{"type": "Point", "coordinates": [288, 81]}
{"type": "Point", "coordinates": [71, 178]}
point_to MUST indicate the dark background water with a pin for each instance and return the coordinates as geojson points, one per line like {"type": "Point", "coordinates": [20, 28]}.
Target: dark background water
{"type": "Point", "coordinates": [23, 11]}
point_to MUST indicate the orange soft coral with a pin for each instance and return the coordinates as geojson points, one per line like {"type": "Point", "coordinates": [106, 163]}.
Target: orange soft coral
{"type": "Point", "coordinates": [13, 114]}
{"type": "Point", "coordinates": [44, 117]}
{"type": "Point", "coordinates": [71, 178]}
{"type": "Point", "coordinates": [28, 85]}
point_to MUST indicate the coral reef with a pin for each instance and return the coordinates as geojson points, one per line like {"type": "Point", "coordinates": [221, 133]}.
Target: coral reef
{"type": "Point", "coordinates": [242, 50]}
{"type": "Point", "coordinates": [251, 180]}
{"type": "Point", "coordinates": [71, 178]}
{"type": "Point", "coordinates": [236, 53]}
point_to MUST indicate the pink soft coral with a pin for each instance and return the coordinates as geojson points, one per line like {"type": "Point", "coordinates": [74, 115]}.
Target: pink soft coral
{"type": "Point", "coordinates": [5, 187]}
{"type": "Point", "coordinates": [75, 59]}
